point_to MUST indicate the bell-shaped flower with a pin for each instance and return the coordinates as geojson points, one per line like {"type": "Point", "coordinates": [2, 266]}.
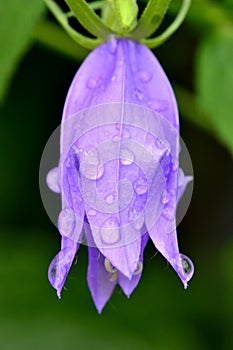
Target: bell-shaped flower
{"type": "Point", "coordinates": [118, 173]}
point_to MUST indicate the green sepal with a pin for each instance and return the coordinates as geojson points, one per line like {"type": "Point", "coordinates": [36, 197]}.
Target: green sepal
{"type": "Point", "coordinates": [61, 17]}
{"type": "Point", "coordinates": [159, 40]}
{"type": "Point", "coordinates": [150, 19]}
{"type": "Point", "coordinates": [126, 12]}
{"type": "Point", "coordinates": [89, 19]}
{"type": "Point", "coordinates": [121, 22]}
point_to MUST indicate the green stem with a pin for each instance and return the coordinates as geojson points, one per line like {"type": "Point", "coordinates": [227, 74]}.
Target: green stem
{"type": "Point", "coordinates": [159, 40]}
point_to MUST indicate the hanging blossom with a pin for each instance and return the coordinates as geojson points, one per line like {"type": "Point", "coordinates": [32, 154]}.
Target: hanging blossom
{"type": "Point", "coordinates": [118, 173]}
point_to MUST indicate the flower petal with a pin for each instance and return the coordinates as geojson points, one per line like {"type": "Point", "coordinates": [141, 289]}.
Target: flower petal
{"type": "Point", "coordinates": [70, 221]}
{"type": "Point", "coordinates": [61, 264]}
{"type": "Point", "coordinates": [99, 279]}
{"type": "Point", "coordinates": [122, 70]}
{"type": "Point", "coordinates": [104, 148]}
{"type": "Point", "coordinates": [163, 230]}
{"type": "Point", "coordinates": [127, 285]}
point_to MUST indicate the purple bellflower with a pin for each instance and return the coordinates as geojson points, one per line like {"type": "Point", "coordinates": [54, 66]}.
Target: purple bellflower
{"type": "Point", "coordinates": [118, 173]}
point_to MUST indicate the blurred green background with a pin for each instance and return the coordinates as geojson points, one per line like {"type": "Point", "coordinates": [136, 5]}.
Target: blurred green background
{"type": "Point", "coordinates": [37, 64]}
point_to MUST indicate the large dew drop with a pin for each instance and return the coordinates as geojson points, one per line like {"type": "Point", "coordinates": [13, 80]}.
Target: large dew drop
{"type": "Point", "coordinates": [140, 186]}
{"type": "Point", "coordinates": [188, 266]}
{"type": "Point", "coordinates": [66, 222]}
{"type": "Point", "coordinates": [127, 157]}
{"type": "Point", "coordinates": [91, 167]}
{"type": "Point", "coordinates": [53, 180]}
{"type": "Point", "coordinates": [110, 232]}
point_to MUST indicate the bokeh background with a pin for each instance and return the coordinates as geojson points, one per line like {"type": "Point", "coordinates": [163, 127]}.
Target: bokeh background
{"type": "Point", "coordinates": [37, 64]}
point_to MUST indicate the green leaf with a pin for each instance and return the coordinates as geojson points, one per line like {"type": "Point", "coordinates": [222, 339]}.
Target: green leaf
{"type": "Point", "coordinates": [18, 18]}
{"type": "Point", "coordinates": [150, 19]}
{"type": "Point", "coordinates": [88, 18]}
{"type": "Point", "coordinates": [215, 83]}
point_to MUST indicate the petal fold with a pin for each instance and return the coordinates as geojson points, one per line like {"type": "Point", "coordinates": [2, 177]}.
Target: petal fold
{"type": "Point", "coordinates": [61, 264]}
{"type": "Point", "coordinates": [99, 279]}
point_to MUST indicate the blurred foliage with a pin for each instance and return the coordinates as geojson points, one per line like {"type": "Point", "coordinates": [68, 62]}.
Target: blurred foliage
{"type": "Point", "coordinates": [18, 18]}
{"type": "Point", "coordinates": [160, 314]}
{"type": "Point", "coordinates": [215, 82]}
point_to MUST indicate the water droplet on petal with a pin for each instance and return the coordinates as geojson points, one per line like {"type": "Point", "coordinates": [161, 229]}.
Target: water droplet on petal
{"type": "Point", "coordinates": [53, 278]}
{"type": "Point", "coordinates": [187, 265]}
{"type": "Point", "coordinates": [169, 213]}
{"type": "Point", "coordinates": [138, 222]}
{"type": "Point", "coordinates": [116, 138]}
{"type": "Point", "coordinates": [127, 157]}
{"type": "Point", "coordinates": [138, 93]}
{"type": "Point", "coordinates": [92, 171]}
{"type": "Point", "coordinates": [92, 84]}
{"type": "Point", "coordinates": [109, 199]}
{"type": "Point", "coordinates": [66, 222]}
{"type": "Point", "coordinates": [54, 270]}
{"type": "Point", "coordinates": [159, 105]}
{"type": "Point", "coordinates": [113, 78]}
{"type": "Point", "coordinates": [52, 180]}
{"type": "Point", "coordinates": [126, 133]}
{"type": "Point", "coordinates": [140, 186]}
{"type": "Point", "coordinates": [132, 215]}
{"type": "Point", "coordinates": [91, 212]}
{"type": "Point", "coordinates": [110, 232]}
{"type": "Point", "coordinates": [91, 167]}
{"type": "Point", "coordinates": [144, 76]}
